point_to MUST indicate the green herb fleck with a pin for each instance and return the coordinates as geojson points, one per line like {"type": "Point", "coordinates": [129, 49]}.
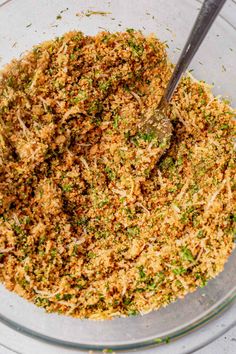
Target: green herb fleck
{"type": "Point", "coordinates": [224, 126]}
{"type": "Point", "coordinates": [202, 278]}
{"type": "Point", "coordinates": [104, 86]}
{"type": "Point", "coordinates": [91, 254]}
{"type": "Point", "coordinates": [82, 221]}
{"type": "Point", "coordinates": [102, 203]}
{"type": "Point", "coordinates": [142, 274]}
{"type": "Point", "coordinates": [102, 13]}
{"type": "Point", "coordinates": [81, 96]}
{"type": "Point", "coordinates": [72, 56]}
{"type": "Point", "coordinates": [130, 30]}
{"type": "Point", "coordinates": [133, 231]}
{"type": "Point", "coordinates": [167, 340]}
{"type": "Point", "coordinates": [133, 313]}
{"type": "Point", "coordinates": [179, 271]}
{"type": "Point", "coordinates": [67, 188]}
{"type": "Point", "coordinates": [67, 297]}
{"type": "Point", "coordinates": [111, 174]}
{"type": "Point", "coordinates": [186, 254]}
{"type": "Point", "coordinates": [127, 301]}
{"type": "Point", "coordinates": [137, 49]}
{"type": "Point", "coordinates": [148, 137]}
{"type": "Point", "coordinates": [53, 252]}
{"type": "Point", "coordinates": [116, 121]}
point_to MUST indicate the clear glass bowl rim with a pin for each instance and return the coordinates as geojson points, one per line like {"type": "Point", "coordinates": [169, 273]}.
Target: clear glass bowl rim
{"type": "Point", "coordinates": [217, 309]}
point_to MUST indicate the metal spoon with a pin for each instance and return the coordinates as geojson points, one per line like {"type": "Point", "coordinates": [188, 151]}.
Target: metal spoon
{"type": "Point", "coordinates": [159, 125]}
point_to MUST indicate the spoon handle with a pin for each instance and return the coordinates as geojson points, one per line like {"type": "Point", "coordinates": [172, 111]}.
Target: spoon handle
{"type": "Point", "coordinates": [204, 20]}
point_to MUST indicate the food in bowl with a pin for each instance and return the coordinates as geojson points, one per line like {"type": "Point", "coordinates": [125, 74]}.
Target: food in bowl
{"type": "Point", "coordinates": [93, 224]}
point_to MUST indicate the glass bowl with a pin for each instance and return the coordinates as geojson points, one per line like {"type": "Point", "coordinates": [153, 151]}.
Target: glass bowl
{"type": "Point", "coordinates": [28, 22]}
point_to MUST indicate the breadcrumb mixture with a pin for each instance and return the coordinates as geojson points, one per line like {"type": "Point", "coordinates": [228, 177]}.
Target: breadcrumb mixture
{"type": "Point", "coordinates": [92, 224]}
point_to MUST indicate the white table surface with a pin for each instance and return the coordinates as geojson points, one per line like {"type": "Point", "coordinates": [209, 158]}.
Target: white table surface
{"type": "Point", "coordinates": [13, 342]}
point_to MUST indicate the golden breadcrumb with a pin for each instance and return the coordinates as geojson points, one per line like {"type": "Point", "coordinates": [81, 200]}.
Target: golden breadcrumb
{"type": "Point", "coordinates": [92, 224]}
